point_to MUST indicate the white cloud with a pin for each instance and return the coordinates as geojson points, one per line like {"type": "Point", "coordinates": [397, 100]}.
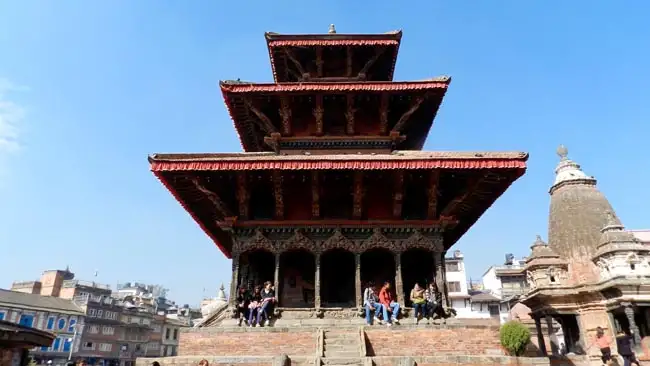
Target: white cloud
{"type": "Point", "coordinates": [11, 117]}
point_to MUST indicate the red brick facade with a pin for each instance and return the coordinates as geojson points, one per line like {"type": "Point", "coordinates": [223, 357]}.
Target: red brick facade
{"type": "Point", "coordinates": [424, 341]}
{"type": "Point", "coordinates": [253, 342]}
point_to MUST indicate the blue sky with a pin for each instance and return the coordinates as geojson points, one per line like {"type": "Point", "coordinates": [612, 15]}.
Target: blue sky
{"type": "Point", "coordinates": [89, 88]}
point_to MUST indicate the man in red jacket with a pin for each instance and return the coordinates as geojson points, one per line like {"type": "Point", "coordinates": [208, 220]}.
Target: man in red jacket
{"type": "Point", "coordinates": [386, 299]}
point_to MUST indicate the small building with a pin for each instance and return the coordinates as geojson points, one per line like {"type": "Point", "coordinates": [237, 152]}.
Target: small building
{"type": "Point", "coordinates": [16, 341]}
{"type": "Point", "coordinates": [59, 317]}
{"type": "Point", "coordinates": [508, 280]}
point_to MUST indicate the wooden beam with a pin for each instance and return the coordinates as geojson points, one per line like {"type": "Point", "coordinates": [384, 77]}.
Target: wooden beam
{"type": "Point", "coordinates": [243, 195]}
{"type": "Point", "coordinates": [432, 194]}
{"type": "Point", "coordinates": [349, 115]}
{"type": "Point", "coordinates": [285, 113]}
{"type": "Point", "coordinates": [292, 57]}
{"type": "Point", "coordinates": [266, 125]}
{"type": "Point", "coordinates": [319, 61]}
{"type": "Point", "coordinates": [348, 72]}
{"type": "Point", "coordinates": [315, 194]}
{"type": "Point", "coordinates": [415, 104]}
{"type": "Point", "coordinates": [369, 63]}
{"type": "Point", "coordinates": [218, 203]}
{"type": "Point", "coordinates": [472, 186]}
{"type": "Point", "coordinates": [357, 209]}
{"type": "Point", "coordinates": [398, 194]}
{"type": "Point", "coordinates": [279, 194]}
{"type": "Point", "coordinates": [318, 115]}
{"type": "Point", "coordinates": [383, 113]}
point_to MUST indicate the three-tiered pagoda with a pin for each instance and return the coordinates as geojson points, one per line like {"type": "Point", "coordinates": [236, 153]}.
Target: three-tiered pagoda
{"type": "Point", "coordinates": [333, 189]}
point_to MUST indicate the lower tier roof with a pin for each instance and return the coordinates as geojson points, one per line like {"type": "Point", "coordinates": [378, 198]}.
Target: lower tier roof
{"type": "Point", "coordinates": [210, 187]}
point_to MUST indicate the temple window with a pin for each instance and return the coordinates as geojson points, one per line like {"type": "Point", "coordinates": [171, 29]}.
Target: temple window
{"type": "Point", "coordinates": [337, 199]}
{"type": "Point", "coordinates": [415, 196]}
{"type": "Point", "coordinates": [417, 267]}
{"type": "Point", "coordinates": [337, 287]}
{"type": "Point", "coordinates": [262, 199]}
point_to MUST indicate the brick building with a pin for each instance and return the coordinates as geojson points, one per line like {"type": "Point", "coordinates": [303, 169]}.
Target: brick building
{"type": "Point", "coordinates": [591, 273]}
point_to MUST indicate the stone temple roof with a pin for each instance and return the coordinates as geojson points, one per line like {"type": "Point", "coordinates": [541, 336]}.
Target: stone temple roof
{"type": "Point", "coordinates": [542, 255]}
{"type": "Point", "coordinates": [615, 238]}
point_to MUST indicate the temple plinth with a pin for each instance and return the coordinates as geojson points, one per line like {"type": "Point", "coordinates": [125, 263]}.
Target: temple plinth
{"type": "Point", "coordinates": [333, 189]}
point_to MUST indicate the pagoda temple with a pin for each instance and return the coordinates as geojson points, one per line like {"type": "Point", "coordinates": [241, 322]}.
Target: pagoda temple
{"type": "Point", "coordinates": [333, 189]}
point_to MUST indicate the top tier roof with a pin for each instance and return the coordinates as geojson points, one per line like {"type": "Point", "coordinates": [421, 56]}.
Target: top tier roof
{"type": "Point", "coordinates": [333, 57]}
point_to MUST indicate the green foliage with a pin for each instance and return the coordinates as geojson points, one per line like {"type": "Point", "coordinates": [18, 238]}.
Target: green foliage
{"type": "Point", "coordinates": [32, 362]}
{"type": "Point", "coordinates": [514, 337]}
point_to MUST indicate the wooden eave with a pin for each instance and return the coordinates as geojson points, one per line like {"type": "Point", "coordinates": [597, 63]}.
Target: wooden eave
{"type": "Point", "coordinates": [276, 43]}
{"type": "Point", "coordinates": [492, 174]}
{"type": "Point", "coordinates": [253, 128]}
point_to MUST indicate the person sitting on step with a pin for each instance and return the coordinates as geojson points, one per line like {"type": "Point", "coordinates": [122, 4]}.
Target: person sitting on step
{"type": "Point", "coordinates": [389, 305]}
{"type": "Point", "coordinates": [432, 299]}
{"type": "Point", "coordinates": [243, 299]}
{"type": "Point", "coordinates": [255, 300]}
{"type": "Point", "coordinates": [371, 303]}
{"type": "Point", "coordinates": [419, 302]}
{"type": "Point", "coordinates": [268, 301]}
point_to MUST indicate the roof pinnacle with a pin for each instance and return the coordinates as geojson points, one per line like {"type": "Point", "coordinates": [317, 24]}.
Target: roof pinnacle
{"type": "Point", "coordinates": [332, 29]}
{"type": "Point", "coordinates": [562, 152]}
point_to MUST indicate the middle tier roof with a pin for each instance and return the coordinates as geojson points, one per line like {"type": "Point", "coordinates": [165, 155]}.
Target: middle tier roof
{"type": "Point", "coordinates": [399, 114]}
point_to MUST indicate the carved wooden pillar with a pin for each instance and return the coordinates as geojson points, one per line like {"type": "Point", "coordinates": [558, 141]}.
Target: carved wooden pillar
{"type": "Point", "coordinates": [541, 344]}
{"type": "Point", "coordinates": [279, 194]}
{"type": "Point", "coordinates": [276, 278]}
{"type": "Point", "coordinates": [318, 115]}
{"type": "Point", "coordinates": [383, 114]}
{"type": "Point", "coordinates": [551, 335]}
{"type": "Point", "coordinates": [234, 282]}
{"type": "Point", "coordinates": [317, 281]}
{"type": "Point", "coordinates": [629, 313]}
{"type": "Point", "coordinates": [439, 265]}
{"type": "Point", "coordinates": [399, 286]}
{"type": "Point", "coordinates": [357, 279]}
{"type": "Point", "coordinates": [357, 194]}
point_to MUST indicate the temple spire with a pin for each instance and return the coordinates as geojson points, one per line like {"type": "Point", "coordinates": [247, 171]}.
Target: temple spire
{"type": "Point", "coordinates": [332, 29]}
{"type": "Point", "coordinates": [568, 170]}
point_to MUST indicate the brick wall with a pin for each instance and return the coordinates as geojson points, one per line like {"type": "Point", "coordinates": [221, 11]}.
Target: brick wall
{"type": "Point", "coordinates": [442, 341]}
{"type": "Point", "coordinates": [194, 361]}
{"type": "Point", "coordinates": [247, 341]}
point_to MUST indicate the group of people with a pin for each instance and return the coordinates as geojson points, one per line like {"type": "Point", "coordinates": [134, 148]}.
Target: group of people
{"type": "Point", "coordinates": [255, 307]}
{"type": "Point", "coordinates": [380, 303]}
{"type": "Point", "coordinates": [623, 344]}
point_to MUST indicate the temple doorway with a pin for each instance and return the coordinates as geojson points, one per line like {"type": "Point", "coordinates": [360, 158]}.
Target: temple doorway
{"type": "Point", "coordinates": [297, 272]}
{"type": "Point", "coordinates": [337, 279]}
{"type": "Point", "coordinates": [417, 267]}
{"type": "Point", "coordinates": [377, 266]}
{"type": "Point", "coordinates": [571, 341]}
{"type": "Point", "coordinates": [256, 267]}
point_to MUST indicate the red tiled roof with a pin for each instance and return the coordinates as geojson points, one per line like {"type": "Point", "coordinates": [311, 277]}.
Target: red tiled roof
{"type": "Point", "coordinates": [333, 42]}
{"type": "Point", "coordinates": [396, 160]}
{"type": "Point", "coordinates": [243, 87]}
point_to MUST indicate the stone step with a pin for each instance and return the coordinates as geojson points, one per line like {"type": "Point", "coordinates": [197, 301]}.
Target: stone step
{"type": "Point", "coordinates": [341, 354]}
{"type": "Point", "coordinates": [341, 347]}
{"type": "Point", "coordinates": [344, 361]}
{"type": "Point", "coordinates": [341, 340]}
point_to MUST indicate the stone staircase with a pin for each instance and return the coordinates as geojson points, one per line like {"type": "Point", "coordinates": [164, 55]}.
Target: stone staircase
{"type": "Point", "coordinates": [343, 347]}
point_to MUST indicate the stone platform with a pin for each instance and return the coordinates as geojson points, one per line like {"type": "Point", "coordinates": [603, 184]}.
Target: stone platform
{"type": "Point", "coordinates": [456, 343]}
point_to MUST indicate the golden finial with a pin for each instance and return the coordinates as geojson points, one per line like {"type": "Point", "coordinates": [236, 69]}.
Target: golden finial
{"type": "Point", "coordinates": [562, 152]}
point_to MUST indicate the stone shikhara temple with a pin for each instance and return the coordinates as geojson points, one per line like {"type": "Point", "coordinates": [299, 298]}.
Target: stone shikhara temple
{"type": "Point", "coordinates": [332, 191]}
{"type": "Point", "coordinates": [592, 273]}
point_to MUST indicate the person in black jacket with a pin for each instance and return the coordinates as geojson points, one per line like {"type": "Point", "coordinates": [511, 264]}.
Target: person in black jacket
{"type": "Point", "coordinates": [243, 299]}
{"type": "Point", "coordinates": [624, 345]}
